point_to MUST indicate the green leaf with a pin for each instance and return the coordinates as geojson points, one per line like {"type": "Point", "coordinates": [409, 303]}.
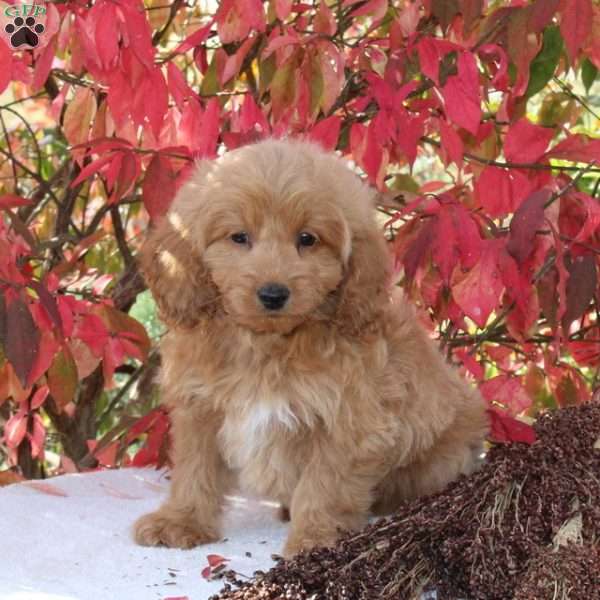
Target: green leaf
{"type": "Point", "coordinates": [544, 64]}
{"type": "Point", "coordinates": [405, 183]}
{"type": "Point", "coordinates": [266, 69]}
{"type": "Point", "coordinates": [283, 86]}
{"type": "Point", "coordinates": [210, 82]}
{"type": "Point", "coordinates": [316, 84]}
{"type": "Point", "coordinates": [62, 377]}
{"type": "Point", "coordinates": [589, 72]}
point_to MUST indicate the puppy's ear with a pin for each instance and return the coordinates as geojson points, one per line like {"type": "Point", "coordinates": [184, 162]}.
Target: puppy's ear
{"type": "Point", "coordinates": [364, 290]}
{"type": "Point", "coordinates": [179, 281]}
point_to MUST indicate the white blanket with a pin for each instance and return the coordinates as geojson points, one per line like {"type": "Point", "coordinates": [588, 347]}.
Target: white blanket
{"type": "Point", "coordinates": [69, 539]}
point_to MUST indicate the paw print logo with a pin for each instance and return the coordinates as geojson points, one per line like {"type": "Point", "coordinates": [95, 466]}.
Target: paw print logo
{"type": "Point", "coordinates": [24, 32]}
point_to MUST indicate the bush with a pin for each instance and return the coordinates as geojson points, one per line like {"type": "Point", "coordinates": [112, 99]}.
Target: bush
{"type": "Point", "coordinates": [474, 125]}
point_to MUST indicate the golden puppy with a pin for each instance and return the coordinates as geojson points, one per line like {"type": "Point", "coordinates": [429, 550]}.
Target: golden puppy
{"type": "Point", "coordinates": [287, 367]}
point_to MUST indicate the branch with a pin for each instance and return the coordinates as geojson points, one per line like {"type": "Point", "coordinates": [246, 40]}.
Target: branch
{"type": "Point", "coordinates": [511, 165]}
{"type": "Point", "coordinates": [158, 35]}
{"type": "Point", "coordinates": [120, 235]}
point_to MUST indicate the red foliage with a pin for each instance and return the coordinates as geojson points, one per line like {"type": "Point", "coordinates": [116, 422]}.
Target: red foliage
{"type": "Point", "coordinates": [502, 253]}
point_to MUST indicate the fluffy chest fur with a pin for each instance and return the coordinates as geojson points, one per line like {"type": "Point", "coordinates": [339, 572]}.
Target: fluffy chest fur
{"type": "Point", "coordinates": [246, 433]}
{"type": "Point", "coordinates": [267, 436]}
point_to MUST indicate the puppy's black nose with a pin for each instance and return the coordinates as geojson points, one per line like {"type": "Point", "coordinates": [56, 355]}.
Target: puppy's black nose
{"type": "Point", "coordinates": [273, 295]}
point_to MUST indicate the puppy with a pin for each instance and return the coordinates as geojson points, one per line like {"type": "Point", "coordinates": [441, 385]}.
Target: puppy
{"type": "Point", "coordinates": [287, 368]}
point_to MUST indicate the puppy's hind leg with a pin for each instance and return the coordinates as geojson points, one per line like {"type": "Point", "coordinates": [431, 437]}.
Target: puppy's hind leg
{"type": "Point", "coordinates": [191, 515]}
{"type": "Point", "coordinates": [450, 457]}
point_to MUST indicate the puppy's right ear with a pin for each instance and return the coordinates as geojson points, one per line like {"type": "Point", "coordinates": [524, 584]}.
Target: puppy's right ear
{"type": "Point", "coordinates": [177, 277]}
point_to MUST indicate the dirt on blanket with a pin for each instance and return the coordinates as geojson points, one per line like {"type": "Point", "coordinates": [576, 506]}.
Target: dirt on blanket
{"type": "Point", "coordinates": [526, 526]}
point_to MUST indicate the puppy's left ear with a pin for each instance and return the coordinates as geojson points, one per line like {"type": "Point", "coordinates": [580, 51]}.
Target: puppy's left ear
{"type": "Point", "coordinates": [364, 290]}
{"type": "Point", "coordinates": [177, 277]}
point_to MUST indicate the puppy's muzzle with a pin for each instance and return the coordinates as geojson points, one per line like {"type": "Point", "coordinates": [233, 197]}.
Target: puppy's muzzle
{"type": "Point", "coordinates": [273, 296]}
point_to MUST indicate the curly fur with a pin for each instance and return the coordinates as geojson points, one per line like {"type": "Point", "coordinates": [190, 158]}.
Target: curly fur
{"type": "Point", "coordinates": [336, 406]}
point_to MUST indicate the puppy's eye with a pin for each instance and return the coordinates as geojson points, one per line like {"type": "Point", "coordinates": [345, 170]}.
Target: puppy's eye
{"type": "Point", "coordinates": [240, 237]}
{"type": "Point", "coordinates": [306, 239]}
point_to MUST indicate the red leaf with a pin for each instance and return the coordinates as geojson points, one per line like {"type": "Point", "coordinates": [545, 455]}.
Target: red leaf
{"type": "Point", "coordinates": [283, 8]}
{"type": "Point", "coordinates": [13, 201]}
{"type": "Point", "coordinates": [518, 286]}
{"type": "Point", "coordinates": [578, 147]}
{"type": "Point", "coordinates": [214, 560]}
{"type": "Point", "coordinates": [48, 301]}
{"type": "Point", "coordinates": [6, 60]}
{"type": "Point", "coordinates": [417, 251]}
{"type": "Point", "coordinates": [542, 12]}
{"type": "Point", "coordinates": [158, 188]}
{"type": "Point", "coordinates": [79, 116]}
{"type": "Point", "coordinates": [234, 62]}
{"type": "Point", "coordinates": [178, 86]}
{"type": "Point", "coordinates": [106, 33]}
{"type": "Point", "coordinates": [500, 191]}
{"type": "Point", "coordinates": [236, 18]}
{"type": "Point", "coordinates": [374, 8]}
{"type": "Point", "coordinates": [456, 239]}
{"type": "Point", "coordinates": [289, 38]}
{"type": "Point", "coordinates": [508, 391]}
{"type": "Point", "coordinates": [91, 330]}
{"type": "Point", "coordinates": [190, 124]}
{"type": "Point", "coordinates": [113, 170]}
{"type": "Point", "coordinates": [324, 21]}
{"type": "Point", "coordinates": [579, 216]}
{"type": "Point", "coordinates": [563, 274]}
{"type": "Point", "coordinates": [22, 339]}
{"type": "Point", "coordinates": [147, 422]}
{"type": "Point", "coordinates": [43, 65]}
{"type": "Point", "coordinates": [431, 52]}
{"type": "Point", "coordinates": [507, 429]}
{"type": "Point", "coordinates": [497, 60]}
{"type": "Point", "coordinates": [154, 98]}
{"type": "Point", "coordinates": [139, 34]}
{"type": "Point", "coordinates": [586, 352]}
{"type": "Point", "coordinates": [478, 294]}
{"type": "Point", "coordinates": [461, 94]}
{"type": "Point", "coordinates": [470, 363]}
{"type": "Point", "coordinates": [195, 39]}
{"type": "Point", "coordinates": [451, 143]}
{"type": "Point", "coordinates": [39, 397]}
{"type": "Point", "coordinates": [326, 132]}
{"type": "Point", "coordinates": [524, 225]}
{"type": "Point", "coordinates": [128, 173]}
{"type": "Point", "coordinates": [15, 429]}
{"type": "Point", "coordinates": [124, 327]}
{"type": "Point", "coordinates": [526, 142]}
{"type": "Point", "coordinates": [37, 437]}
{"type": "Point", "coordinates": [571, 389]}
{"type": "Point", "coordinates": [251, 117]}
{"type": "Point", "coordinates": [576, 24]}
{"type": "Point", "coordinates": [209, 131]}
{"type": "Point", "coordinates": [155, 445]}
{"type": "Point", "coordinates": [581, 288]}
{"type": "Point", "coordinates": [84, 358]}
{"type": "Point", "coordinates": [91, 169]}
{"type": "Point", "coordinates": [206, 573]}
{"type": "Point", "coordinates": [48, 349]}
{"type": "Point", "coordinates": [444, 247]}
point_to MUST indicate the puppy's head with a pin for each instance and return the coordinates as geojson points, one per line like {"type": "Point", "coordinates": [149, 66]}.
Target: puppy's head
{"type": "Point", "coordinates": [272, 234]}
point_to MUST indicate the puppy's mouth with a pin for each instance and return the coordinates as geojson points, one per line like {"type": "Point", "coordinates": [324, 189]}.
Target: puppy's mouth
{"type": "Point", "coordinates": [269, 322]}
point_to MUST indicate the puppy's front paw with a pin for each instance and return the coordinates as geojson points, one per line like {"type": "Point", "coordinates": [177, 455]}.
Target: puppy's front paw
{"type": "Point", "coordinates": [297, 542]}
{"type": "Point", "coordinates": [163, 529]}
